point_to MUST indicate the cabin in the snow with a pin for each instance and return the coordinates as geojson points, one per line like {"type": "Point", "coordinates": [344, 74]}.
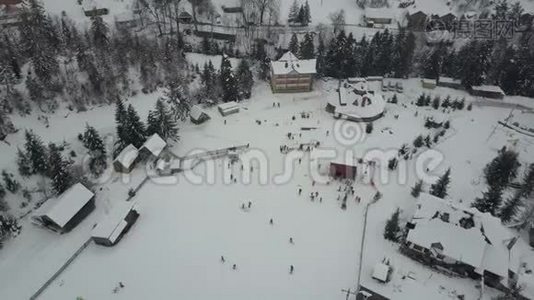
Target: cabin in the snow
{"type": "Point", "coordinates": [450, 83]}
{"type": "Point", "coordinates": [63, 213]}
{"type": "Point", "coordinates": [228, 108]}
{"type": "Point", "coordinates": [153, 147]}
{"type": "Point", "coordinates": [340, 169]}
{"type": "Point", "coordinates": [289, 74]}
{"type": "Point", "coordinates": [197, 115]}
{"type": "Point", "coordinates": [126, 160]}
{"type": "Point", "coordinates": [115, 225]}
{"type": "Point", "coordinates": [463, 241]}
{"type": "Point", "coordinates": [487, 91]}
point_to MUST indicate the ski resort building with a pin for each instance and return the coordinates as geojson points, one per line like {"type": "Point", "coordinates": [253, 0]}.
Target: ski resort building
{"type": "Point", "coordinates": [487, 91]}
{"type": "Point", "coordinates": [115, 225]}
{"type": "Point", "coordinates": [289, 74]}
{"type": "Point", "coordinates": [462, 241]}
{"type": "Point", "coordinates": [355, 103]}
{"type": "Point", "coordinates": [153, 147]}
{"type": "Point", "coordinates": [126, 160]}
{"type": "Point", "coordinates": [63, 213]}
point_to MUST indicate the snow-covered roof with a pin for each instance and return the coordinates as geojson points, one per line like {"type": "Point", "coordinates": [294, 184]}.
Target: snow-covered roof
{"type": "Point", "coordinates": [352, 103]}
{"type": "Point", "coordinates": [488, 88]}
{"type": "Point", "coordinates": [112, 224]}
{"type": "Point", "coordinates": [429, 81]}
{"type": "Point", "coordinates": [196, 112]}
{"type": "Point", "coordinates": [450, 80]}
{"type": "Point", "coordinates": [440, 225]}
{"type": "Point", "coordinates": [64, 208]}
{"type": "Point", "coordinates": [155, 144]}
{"type": "Point", "coordinates": [228, 105]}
{"type": "Point", "coordinates": [356, 79]}
{"type": "Point", "coordinates": [127, 156]}
{"type": "Point", "coordinates": [465, 245]}
{"type": "Point", "coordinates": [380, 272]}
{"type": "Point", "coordinates": [289, 63]}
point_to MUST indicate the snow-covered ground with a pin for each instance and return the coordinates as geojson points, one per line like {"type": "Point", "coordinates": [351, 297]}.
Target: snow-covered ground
{"type": "Point", "coordinates": [174, 249]}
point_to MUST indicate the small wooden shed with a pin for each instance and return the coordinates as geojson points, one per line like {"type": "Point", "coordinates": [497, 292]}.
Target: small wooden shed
{"type": "Point", "coordinates": [115, 225]}
{"type": "Point", "coordinates": [126, 160]}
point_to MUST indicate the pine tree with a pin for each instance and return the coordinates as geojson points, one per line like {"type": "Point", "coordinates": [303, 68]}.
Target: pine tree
{"type": "Point", "coordinates": [120, 122]}
{"type": "Point", "coordinates": [228, 81]}
{"type": "Point", "coordinates": [36, 153]}
{"type": "Point", "coordinates": [416, 190]}
{"type": "Point", "coordinates": [99, 33]}
{"type": "Point", "coordinates": [294, 44]}
{"type": "Point", "coordinates": [392, 229]}
{"type": "Point", "coordinates": [511, 208]}
{"type": "Point", "coordinates": [439, 189]}
{"type": "Point", "coordinates": [321, 53]}
{"type": "Point", "coordinates": [36, 90]}
{"type": "Point", "coordinates": [245, 81]}
{"type": "Point", "coordinates": [177, 99]}
{"type": "Point", "coordinates": [528, 182]}
{"type": "Point", "coordinates": [93, 142]}
{"type": "Point", "coordinates": [11, 184]}
{"type": "Point", "coordinates": [307, 14]}
{"type": "Point", "coordinates": [59, 170]}
{"type": "Point", "coordinates": [490, 201]}
{"type": "Point", "coordinates": [502, 169]}
{"type": "Point", "coordinates": [306, 47]}
{"type": "Point", "coordinates": [436, 103]}
{"type": "Point", "coordinates": [135, 129]}
{"type": "Point", "coordinates": [161, 121]}
{"type": "Point", "coordinates": [293, 12]}
{"type": "Point", "coordinates": [24, 163]}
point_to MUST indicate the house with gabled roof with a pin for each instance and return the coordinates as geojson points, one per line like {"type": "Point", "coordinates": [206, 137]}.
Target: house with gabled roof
{"type": "Point", "coordinates": [463, 241]}
{"type": "Point", "coordinates": [290, 74]}
{"type": "Point", "coordinates": [61, 214]}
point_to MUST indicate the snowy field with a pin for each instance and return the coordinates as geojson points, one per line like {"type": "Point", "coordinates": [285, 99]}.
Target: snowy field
{"type": "Point", "coordinates": [174, 250]}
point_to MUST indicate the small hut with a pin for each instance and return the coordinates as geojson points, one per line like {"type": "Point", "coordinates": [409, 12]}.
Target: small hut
{"type": "Point", "coordinates": [115, 225]}
{"type": "Point", "coordinates": [197, 115]}
{"type": "Point", "coordinates": [126, 160]}
{"type": "Point", "coordinates": [228, 108]}
{"type": "Point", "coordinates": [153, 147]}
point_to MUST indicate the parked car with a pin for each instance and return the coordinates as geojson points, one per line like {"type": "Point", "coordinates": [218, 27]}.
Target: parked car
{"type": "Point", "coordinates": [392, 87]}
{"type": "Point", "coordinates": [385, 85]}
{"type": "Point", "coordinates": [400, 88]}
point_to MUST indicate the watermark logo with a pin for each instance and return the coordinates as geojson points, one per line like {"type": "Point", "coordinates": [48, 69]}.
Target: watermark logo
{"type": "Point", "coordinates": [437, 30]}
